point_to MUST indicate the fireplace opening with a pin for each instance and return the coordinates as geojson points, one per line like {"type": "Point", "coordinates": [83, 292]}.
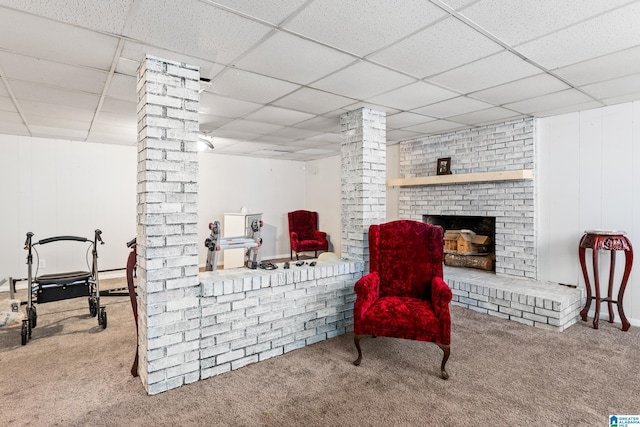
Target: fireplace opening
{"type": "Point", "coordinates": [469, 241]}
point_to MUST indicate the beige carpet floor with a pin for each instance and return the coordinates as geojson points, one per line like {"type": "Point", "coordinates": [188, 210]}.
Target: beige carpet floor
{"type": "Point", "coordinates": [73, 373]}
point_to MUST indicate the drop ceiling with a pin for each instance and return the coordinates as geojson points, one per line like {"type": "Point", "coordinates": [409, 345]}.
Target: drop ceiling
{"type": "Point", "coordinates": [284, 71]}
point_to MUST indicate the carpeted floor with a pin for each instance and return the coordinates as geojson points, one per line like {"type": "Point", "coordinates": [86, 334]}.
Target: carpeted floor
{"type": "Point", "coordinates": [502, 373]}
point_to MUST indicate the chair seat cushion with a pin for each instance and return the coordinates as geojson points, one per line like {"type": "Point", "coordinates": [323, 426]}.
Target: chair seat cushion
{"type": "Point", "coordinates": [400, 317]}
{"type": "Point", "coordinates": [311, 245]}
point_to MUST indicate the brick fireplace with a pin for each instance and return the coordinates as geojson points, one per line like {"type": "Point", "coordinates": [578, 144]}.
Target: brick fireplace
{"type": "Point", "coordinates": [501, 147]}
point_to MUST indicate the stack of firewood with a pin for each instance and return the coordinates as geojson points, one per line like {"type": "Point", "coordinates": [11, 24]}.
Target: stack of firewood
{"type": "Point", "coordinates": [464, 248]}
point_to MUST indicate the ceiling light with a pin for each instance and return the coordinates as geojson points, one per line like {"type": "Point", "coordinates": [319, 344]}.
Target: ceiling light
{"type": "Point", "coordinates": [205, 143]}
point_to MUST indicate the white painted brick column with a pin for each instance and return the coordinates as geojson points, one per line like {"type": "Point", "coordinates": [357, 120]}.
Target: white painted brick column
{"type": "Point", "coordinates": [167, 219]}
{"type": "Point", "coordinates": [364, 157]}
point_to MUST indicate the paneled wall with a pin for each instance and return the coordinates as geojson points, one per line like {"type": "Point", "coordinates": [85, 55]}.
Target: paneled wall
{"type": "Point", "coordinates": [588, 178]}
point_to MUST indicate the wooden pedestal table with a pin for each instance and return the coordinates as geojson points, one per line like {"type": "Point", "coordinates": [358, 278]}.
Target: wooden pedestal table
{"type": "Point", "coordinates": [612, 241]}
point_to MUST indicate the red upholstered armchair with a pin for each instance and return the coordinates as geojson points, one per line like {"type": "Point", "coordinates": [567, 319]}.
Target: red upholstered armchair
{"type": "Point", "coordinates": [404, 295]}
{"type": "Point", "coordinates": [303, 233]}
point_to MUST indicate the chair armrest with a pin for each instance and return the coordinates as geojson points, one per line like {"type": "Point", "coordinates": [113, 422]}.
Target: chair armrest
{"type": "Point", "coordinates": [319, 235]}
{"type": "Point", "coordinates": [441, 296]}
{"type": "Point", "coordinates": [367, 292]}
{"type": "Point", "coordinates": [294, 237]}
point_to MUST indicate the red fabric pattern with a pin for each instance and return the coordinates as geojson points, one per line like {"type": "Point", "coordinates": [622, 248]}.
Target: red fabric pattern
{"type": "Point", "coordinates": [404, 295]}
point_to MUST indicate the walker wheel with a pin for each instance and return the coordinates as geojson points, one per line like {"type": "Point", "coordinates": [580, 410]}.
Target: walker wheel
{"type": "Point", "coordinates": [102, 318]}
{"type": "Point", "coordinates": [33, 317]}
{"type": "Point", "coordinates": [24, 332]}
{"type": "Point", "coordinates": [93, 308]}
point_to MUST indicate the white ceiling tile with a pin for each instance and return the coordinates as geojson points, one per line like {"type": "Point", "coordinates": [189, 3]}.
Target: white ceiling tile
{"type": "Point", "coordinates": [436, 126]}
{"type": "Point", "coordinates": [313, 101]}
{"type": "Point", "coordinates": [225, 107]}
{"type": "Point", "coordinates": [615, 87]}
{"type": "Point", "coordinates": [598, 36]}
{"type": "Point", "coordinates": [277, 140]}
{"type": "Point", "coordinates": [621, 99]}
{"type": "Point", "coordinates": [320, 123]}
{"type": "Point", "coordinates": [606, 67]}
{"type": "Point", "coordinates": [328, 138]}
{"type": "Point", "coordinates": [6, 104]}
{"type": "Point", "coordinates": [123, 87]}
{"type": "Point", "coordinates": [211, 121]}
{"type": "Point", "coordinates": [52, 73]}
{"type": "Point", "coordinates": [451, 107]}
{"type": "Point", "coordinates": [362, 80]}
{"type": "Point", "coordinates": [484, 116]}
{"type": "Point", "coordinates": [243, 125]}
{"type": "Point", "coordinates": [55, 111]}
{"type": "Point", "coordinates": [247, 147]}
{"type": "Point", "coordinates": [401, 135]}
{"type": "Point", "coordinates": [458, 4]}
{"type": "Point", "coordinates": [196, 30]}
{"type": "Point", "coordinates": [238, 84]}
{"type": "Point", "coordinates": [115, 119]}
{"type": "Point", "coordinates": [12, 128]}
{"type": "Point", "coordinates": [41, 121]}
{"type": "Point", "coordinates": [119, 106]}
{"type": "Point", "coordinates": [413, 96]}
{"type": "Point", "coordinates": [522, 89]}
{"type": "Point", "coordinates": [568, 109]}
{"type": "Point", "coordinates": [404, 119]}
{"type": "Point", "coordinates": [3, 90]}
{"type": "Point", "coordinates": [482, 73]}
{"type": "Point", "coordinates": [10, 117]}
{"type": "Point", "coordinates": [550, 101]}
{"type": "Point", "coordinates": [361, 27]}
{"type": "Point", "coordinates": [51, 95]}
{"type": "Point", "coordinates": [443, 46]}
{"type": "Point", "coordinates": [127, 66]}
{"type": "Point", "coordinates": [234, 134]}
{"type": "Point", "coordinates": [315, 151]}
{"type": "Point", "coordinates": [104, 16]}
{"type": "Point", "coordinates": [278, 115]}
{"type": "Point", "coordinates": [57, 132]}
{"type": "Point", "coordinates": [47, 39]}
{"type": "Point", "coordinates": [295, 133]}
{"type": "Point", "coordinates": [292, 58]}
{"type": "Point", "coordinates": [515, 22]}
{"type": "Point", "coordinates": [272, 11]}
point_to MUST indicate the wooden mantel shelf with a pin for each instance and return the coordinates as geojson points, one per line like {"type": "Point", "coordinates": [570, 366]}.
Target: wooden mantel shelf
{"type": "Point", "coordinates": [463, 178]}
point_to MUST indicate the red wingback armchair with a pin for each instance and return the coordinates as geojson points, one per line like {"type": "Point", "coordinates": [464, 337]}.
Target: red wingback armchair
{"type": "Point", "coordinates": [404, 294]}
{"type": "Point", "coordinates": [303, 233]}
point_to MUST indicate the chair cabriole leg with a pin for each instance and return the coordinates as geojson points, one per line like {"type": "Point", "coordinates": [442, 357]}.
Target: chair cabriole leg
{"type": "Point", "coordinates": [446, 350]}
{"type": "Point", "coordinates": [356, 340]}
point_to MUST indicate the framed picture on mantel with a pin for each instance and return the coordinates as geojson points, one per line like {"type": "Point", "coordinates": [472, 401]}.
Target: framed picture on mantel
{"type": "Point", "coordinates": [443, 167]}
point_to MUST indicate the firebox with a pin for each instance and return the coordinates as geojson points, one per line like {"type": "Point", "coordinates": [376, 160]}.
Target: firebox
{"type": "Point", "coordinates": [469, 240]}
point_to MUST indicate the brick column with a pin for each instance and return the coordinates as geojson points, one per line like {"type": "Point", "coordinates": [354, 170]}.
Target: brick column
{"type": "Point", "coordinates": [364, 156]}
{"type": "Point", "coordinates": [167, 220]}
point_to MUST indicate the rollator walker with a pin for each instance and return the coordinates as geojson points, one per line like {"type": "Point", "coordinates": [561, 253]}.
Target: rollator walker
{"type": "Point", "coordinates": [61, 286]}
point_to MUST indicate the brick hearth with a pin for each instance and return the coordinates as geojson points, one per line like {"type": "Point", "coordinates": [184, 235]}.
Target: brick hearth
{"type": "Point", "coordinates": [544, 305]}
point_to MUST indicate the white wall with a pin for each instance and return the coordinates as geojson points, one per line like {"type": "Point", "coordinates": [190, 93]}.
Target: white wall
{"type": "Point", "coordinates": [588, 177]}
{"type": "Point", "coordinates": [267, 186]}
{"type": "Point", "coordinates": [58, 187]}
{"type": "Point", "coordinates": [322, 195]}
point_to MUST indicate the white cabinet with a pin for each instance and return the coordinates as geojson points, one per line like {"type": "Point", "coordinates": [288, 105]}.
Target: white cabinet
{"type": "Point", "coordinates": [235, 225]}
